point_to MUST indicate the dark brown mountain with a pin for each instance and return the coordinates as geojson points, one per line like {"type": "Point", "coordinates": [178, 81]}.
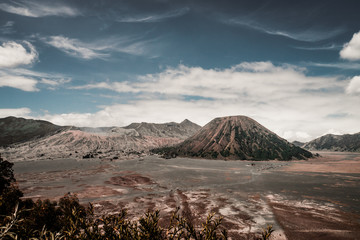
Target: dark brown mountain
{"type": "Point", "coordinates": [236, 137]}
{"type": "Point", "coordinates": [331, 142]}
{"type": "Point", "coordinates": [16, 130]}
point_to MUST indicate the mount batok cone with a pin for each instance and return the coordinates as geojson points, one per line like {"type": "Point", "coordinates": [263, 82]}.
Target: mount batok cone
{"type": "Point", "coordinates": [236, 137]}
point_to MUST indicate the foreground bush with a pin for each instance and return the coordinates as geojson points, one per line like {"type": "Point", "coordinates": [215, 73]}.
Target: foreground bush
{"type": "Point", "coordinates": [70, 220]}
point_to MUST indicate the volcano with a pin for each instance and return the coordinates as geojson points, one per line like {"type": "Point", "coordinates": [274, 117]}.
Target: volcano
{"type": "Point", "coordinates": [237, 138]}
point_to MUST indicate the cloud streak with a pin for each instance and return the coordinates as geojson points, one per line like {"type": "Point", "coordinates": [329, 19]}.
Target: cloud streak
{"type": "Point", "coordinates": [100, 49]}
{"type": "Point", "coordinates": [150, 18]}
{"type": "Point", "coordinates": [75, 48]}
{"type": "Point", "coordinates": [7, 28]}
{"type": "Point", "coordinates": [339, 65]}
{"type": "Point", "coordinates": [37, 9]}
{"type": "Point", "coordinates": [311, 34]}
{"type": "Point", "coordinates": [23, 83]}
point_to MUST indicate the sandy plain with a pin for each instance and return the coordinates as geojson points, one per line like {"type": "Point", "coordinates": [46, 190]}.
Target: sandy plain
{"type": "Point", "coordinates": [314, 199]}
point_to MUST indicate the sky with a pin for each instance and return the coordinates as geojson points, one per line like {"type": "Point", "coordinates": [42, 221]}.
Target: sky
{"type": "Point", "coordinates": [293, 66]}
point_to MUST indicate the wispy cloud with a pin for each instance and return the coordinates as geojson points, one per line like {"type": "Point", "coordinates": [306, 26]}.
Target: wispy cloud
{"type": "Point", "coordinates": [36, 9]}
{"type": "Point", "coordinates": [75, 47]}
{"type": "Point", "coordinates": [101, 49]}
{"type": "Point", "coordinates": [31, 81]}
{"type": "Point", "coordinates": [351, 50]}
{"type": "Point", "coordinates": [316, 48]}
{"type": "Point", "coordinates": [340, 65]}
{"type": "Point", "coordinates": [156, 17]}
{"type": "Point", "coordinates": [7, 28]}
{"type": "Point", "coordinates": [310, 34]}
{"type": "Point", "coordinates": [14, 54]}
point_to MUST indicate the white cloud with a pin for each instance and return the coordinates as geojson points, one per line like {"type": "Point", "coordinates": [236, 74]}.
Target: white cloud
{"type": "Point", "coordinates": [15, 112]}
{"type": "Point", "coordinates": [354, 86]}
{"type": "Point", "coordinates": [98, 49]}
{"type": "Point", "coordinates": [13, 54]}
{"type": "Point", "coordinates": [299, 136]}
{"type": "Point", "coordinates": [333, 131]}
{"type": "Point", "coordinates": [28, 80]}
{"type": "Point", "coordinates": [38, 9]}
{"type": "Point", "coordinates": [19, 82]}
{"type": "Point", "coordinates": [277, 82]}
{"type": "Point", "coordinates": [351, 50]}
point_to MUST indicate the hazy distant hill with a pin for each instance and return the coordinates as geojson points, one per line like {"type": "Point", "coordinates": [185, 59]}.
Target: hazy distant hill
{"type": "Point", "coordinates": [237, 137]}
{"type": "Point", "coordinates": [344, 143]}
{"type": "Point", "coordinates": [181, 130]}
{"type": "Point", "coordinates": [15, 130]}
{"type": "Point", "coordinates": [298, 143]}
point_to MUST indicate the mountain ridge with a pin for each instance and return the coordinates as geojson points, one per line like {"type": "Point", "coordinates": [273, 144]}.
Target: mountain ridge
{"type": "Point", "coordinates": [332, 142]}
{"type": "Point", "coordinates": [17, 130]}
{"type": "Point", "coordinates": [103, 142]}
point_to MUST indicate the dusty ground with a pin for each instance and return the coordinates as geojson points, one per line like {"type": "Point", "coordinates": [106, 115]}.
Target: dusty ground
{"type": "Point", "coordinates": [315, 199]}
{"type": "Point", "coordinates": [328, 162]}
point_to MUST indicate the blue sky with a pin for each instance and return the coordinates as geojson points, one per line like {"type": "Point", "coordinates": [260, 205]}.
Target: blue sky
{"type": "Point", "coordinates": [294, 66]}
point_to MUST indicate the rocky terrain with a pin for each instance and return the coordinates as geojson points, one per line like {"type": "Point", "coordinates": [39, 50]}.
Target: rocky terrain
{"type": "Point", "coordinates": [331, 142]}
{"type": "Point", "coordinates": [109, 143]}
{"type": "Point", "coordinates": [236, 137]}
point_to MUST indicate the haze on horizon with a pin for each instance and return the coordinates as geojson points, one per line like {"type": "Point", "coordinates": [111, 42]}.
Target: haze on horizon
{"type": "Point", "coordinates": [293, 67]}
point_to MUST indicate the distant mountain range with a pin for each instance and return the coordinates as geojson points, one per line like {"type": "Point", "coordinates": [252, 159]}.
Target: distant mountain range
{"type": "Point", "coordinates": [181, 130]}
{"type": "Point", "coordinates": [34, 139]}
{"type": "Point", "coordinates": [236, 137]}
{"type": "Point", "coordinates": [331, 142]}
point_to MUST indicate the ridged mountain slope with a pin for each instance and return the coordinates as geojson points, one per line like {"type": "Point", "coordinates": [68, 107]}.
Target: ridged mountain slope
{"type": "Point", "coordinates": [237, 137]}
